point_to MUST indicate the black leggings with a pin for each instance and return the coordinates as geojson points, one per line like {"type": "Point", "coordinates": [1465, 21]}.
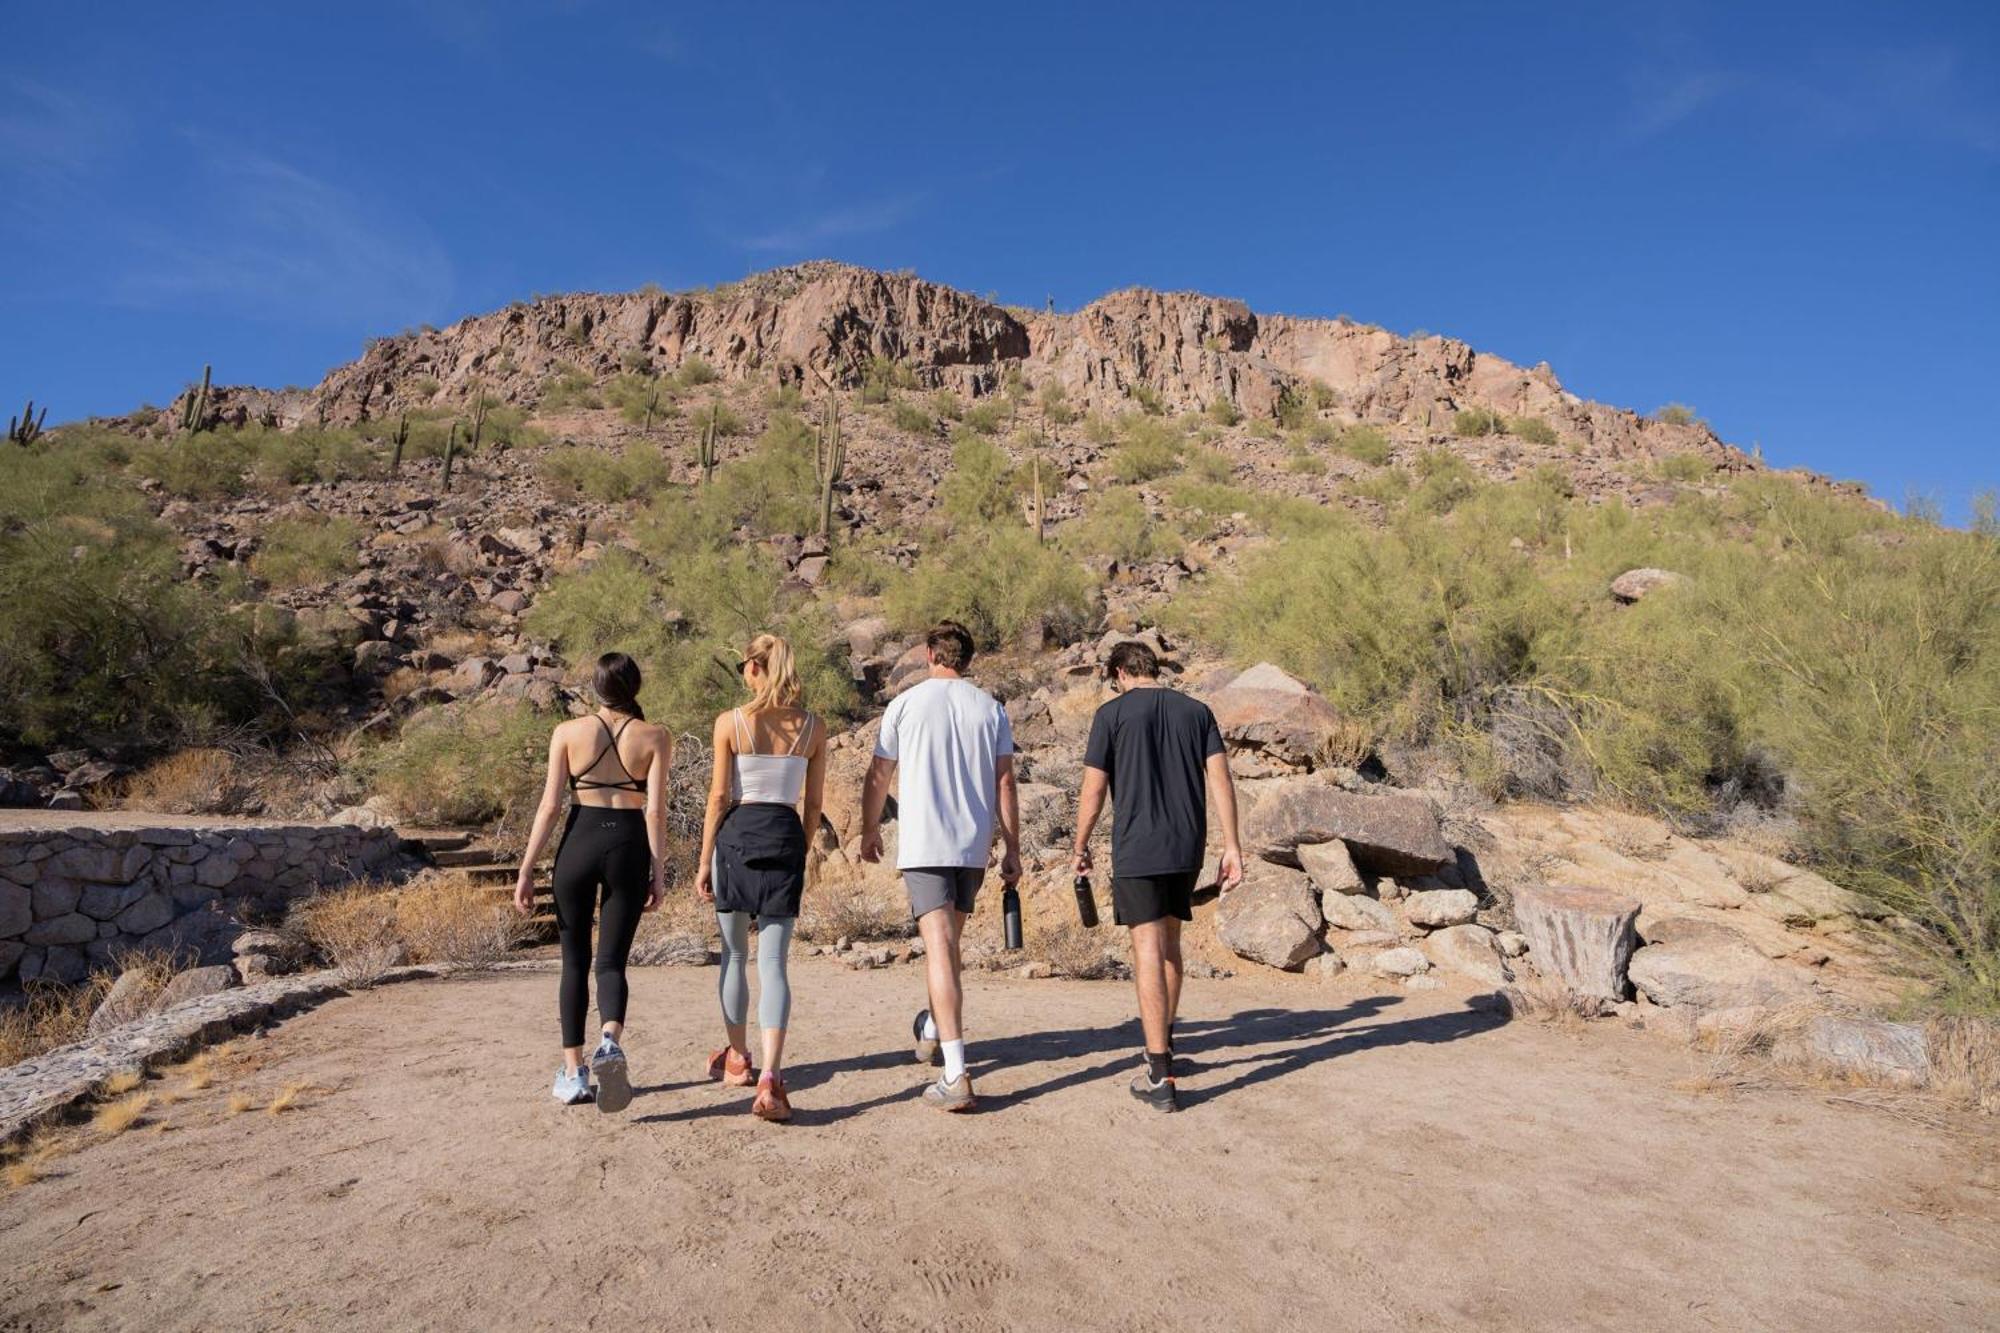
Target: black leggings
{"type": "Point", "coordinates": [604, 858]}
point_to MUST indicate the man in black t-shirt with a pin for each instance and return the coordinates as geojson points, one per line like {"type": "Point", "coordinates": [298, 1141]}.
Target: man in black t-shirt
{"type": "Point", "coordinates": [1157, 753]}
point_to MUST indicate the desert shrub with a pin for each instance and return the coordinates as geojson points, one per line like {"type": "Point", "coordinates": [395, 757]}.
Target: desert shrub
{"type": "Point", "coordinates": [467, 764]}
{"type": "Point", "coordinates": [48, 1014]}
{"type": "Point", "coordinates": [1056, 407]}
{"type": "Point", "coordinates": [567, 388]}
{"type": "Point", "coordinates": [634, 471]}
{"type": "Point", "coordinates": [1208, 465]}
{"type": "Point", "coordinates": [1305, 462]}
{"type": "Point", "coordinates": [1116, 526]}
{"type": "Point", "coordinates": [446, 918]}
{"type": "Point", "coordinates": [1474, 421]}
{"type": "Point", "coordinates": [1686, 467]}
{"type": "Point", "coordinates": [1365, 444]}
{"type": "Point", "coordinates": [633, 393]}
{"type": "Point", "coordinates": [1532, 429]}
{"type": "Point", "coordinates": [354, 929]}
{"type": "Point", "coordinates": [854, 910]}
{"type": "Point", "coordinates": [986, 417]}
{"type": "Point", "coordinates": [1148, 448]}
{"type": "Point", "coordinates": [981, 485]}
{"type": "Point", "coordinates": [1295, 409]}
{"type": "Point", "coordinates": [784, 398]}
{"type": "Point", "coordinates": [883, 377]}
{"type": "Point", "coordinates": [312, 548]}
{"type": "Point", "coordinates": [907, 416]}
{"type": "Point", "coordinates": [1676, 414]}
{"type": "Point", "coordinates": [1223, 412]}
{"type": "Point", "coordinates": [695, 372]}
{"type": "Point", "coordinates": [194, 782]}
{"type": "Point", "coordinates": [1076, 953]}
{"type": "Point", "coordinates": [947, 406]}
{"type": "Point", "coordinates": [1148, 398]}
{"type": "Point", "coordinates": [1100, 430]}
{"type": "Point", "coordinates": [1322, 395]}
{"type": "Point", "coordinates": [998, 581]}
{"type": "Point", "coordinates": [727, 422]}
{"type": "Point", "coordinates": [1264, 428]}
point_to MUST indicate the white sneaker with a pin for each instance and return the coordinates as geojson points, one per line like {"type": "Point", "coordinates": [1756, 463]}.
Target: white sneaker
{"type": "Point", "coordinates": [572, 1087]}
{"type": "Point", "coordinates": [614, 1083]}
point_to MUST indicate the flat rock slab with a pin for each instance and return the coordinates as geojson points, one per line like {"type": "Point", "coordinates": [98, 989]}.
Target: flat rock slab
{"type": "Point", "coordinates": [1390, 833]}
{"type": "Point", "coordinates": [1693, 964]}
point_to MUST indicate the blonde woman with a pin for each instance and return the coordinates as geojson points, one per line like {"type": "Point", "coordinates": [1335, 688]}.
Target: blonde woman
{"type": "Point", "coordinates": [766, 792]}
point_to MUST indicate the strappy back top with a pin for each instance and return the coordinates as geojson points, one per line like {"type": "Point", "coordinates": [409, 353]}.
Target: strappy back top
{"type": "Point", "coordinates": [767, 779]}
{"type": "Point", "coordinates": [578, 782]}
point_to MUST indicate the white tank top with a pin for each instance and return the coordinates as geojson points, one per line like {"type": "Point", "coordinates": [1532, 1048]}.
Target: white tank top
{"type": "Point", "coordinates": [767, 779]}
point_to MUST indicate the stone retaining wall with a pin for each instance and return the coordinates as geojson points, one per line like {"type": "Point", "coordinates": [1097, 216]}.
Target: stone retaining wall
{"type": "Point", "coordinates": [72, 895]}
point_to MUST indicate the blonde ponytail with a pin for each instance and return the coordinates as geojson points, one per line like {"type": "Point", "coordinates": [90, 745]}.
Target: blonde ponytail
{"type": "Point", "coordinates": [778, 686]}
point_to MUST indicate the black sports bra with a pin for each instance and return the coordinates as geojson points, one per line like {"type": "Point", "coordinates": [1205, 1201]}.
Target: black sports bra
{"type": "Point", "coordinates": [628, 783]}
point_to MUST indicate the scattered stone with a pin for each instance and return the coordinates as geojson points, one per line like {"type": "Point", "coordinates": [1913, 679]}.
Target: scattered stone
{"type": "Point", "coordinates": [1272, 711]}
{"type": "Point", "coordinates": [1326, 966]}
{"type": "Point", "coordinates": [1636, 583]}
{"type": "Point", "coordinates": [377, 655]}
{"type": "Point", "coordinates": [1357, 911]}
{"type": "Point", "coordinates": [509, 601]}
{"type": "Point", "coordinates": [1401, 962]}
{"type": "Point", "coordinates": [1580, 937]}
{"type": "Point", "coordinates": [1422, 981]}
{"type": "Point", "coordinates": [474, 674]}
{"type": "Point", "coordinates": [1331, 867]}
{"type": "Point", "coordinates": [1511, 943]}
{"type": "Point", "coordinates": [193, 983]}
{"type": "Point", "coordinates": [1468, 951]}
{"type": "Point", "coordinates": [517, 664]}
{"type": "Point", "coordinates": [1270, 918]}
{"type": "Point", "coordinates": [1390, 834]}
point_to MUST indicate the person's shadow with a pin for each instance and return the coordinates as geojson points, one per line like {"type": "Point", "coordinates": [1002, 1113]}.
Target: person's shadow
{"type": "Point", "coordinates": [1297, 1038]}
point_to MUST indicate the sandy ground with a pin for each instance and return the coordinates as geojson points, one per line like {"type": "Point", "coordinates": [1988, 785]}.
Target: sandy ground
{"type": "Point", "coordinates": [1346, 1159]}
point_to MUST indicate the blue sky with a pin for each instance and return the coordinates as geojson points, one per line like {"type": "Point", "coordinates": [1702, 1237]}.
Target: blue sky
{"type": "Point", "coordinates": [1784, 215]}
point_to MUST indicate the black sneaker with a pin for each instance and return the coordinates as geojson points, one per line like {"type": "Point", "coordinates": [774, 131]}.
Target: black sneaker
{"type": "Point", "coordinates": [1160, 1096]}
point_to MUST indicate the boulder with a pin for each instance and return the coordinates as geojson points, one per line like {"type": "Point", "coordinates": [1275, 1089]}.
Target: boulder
{"type": "Point", "coordinates": [376, 655]}
{"type": "Point", "coordinates": [1432, 908]}
{"type": "Point", "coordinates": [1700, 965]}
{"type": "Point", "coordinates": [1270, 710]}
{"type": "Point", "coordinates": [1356, 911]}
{"type": "Point", "coordinates": [1511, 943]}
{"type": "Point", "coordinates": [1393, 833]}
{"type": "Point", "coordinates": [1866, 1048]}
{"type": "Point", "coordinates": [1468, 951]}
{"type": "Point", "coordinates": [1331, 867]}
{"type": "Point", "coordinates": [1580, 937]}
{"type": "Point", "coordinates": [1401, 962]}
{"type": "Point", "coordinates": [473, 674]}
{"type": "Point", "coordinates": [1636, 583]}
{"type": "Point", "coordinates": [193, 984]}
{"type": "Point", "coordinates": [1270, 918]}
{"type": "Point", "coordinates": [509, 601]}
{"type": "Point", "coordinates": [911, 667]}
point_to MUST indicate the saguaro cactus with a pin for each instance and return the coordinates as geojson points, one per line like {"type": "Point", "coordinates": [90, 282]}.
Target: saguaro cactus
{"type": "Point", "coordinates": [1037, 508]}
{"type": "Point", "coordinates": [705, 449]}
{"type": "Point", "coordinates": [450, 450]}
{"type": "Point", "coordinates": [195, 415]}
{"type": "Point", "coordinates": [478, 417]}
{"type": "Point", "coordinates": [829, 461]}
{"type": "Point", "coordinates": [26, 428]}
{"type": "Point", "coordinates": [402, 438]}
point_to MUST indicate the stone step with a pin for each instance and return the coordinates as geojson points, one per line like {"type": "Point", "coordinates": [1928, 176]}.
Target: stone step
{"type": "Point", "coordinates": [464, 855]}
{"type": "Point", "coordinates": [436, 841]}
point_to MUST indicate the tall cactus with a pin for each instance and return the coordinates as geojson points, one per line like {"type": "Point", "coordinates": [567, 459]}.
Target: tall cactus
{"type": "Point", "coordinates": [450, 451]}
{"type": "Point", "coordinates": [195, 415]}
{"type": "Point", "coordinates": [652, 402]}
{"type": "Point", "coordinates": [25, 429]}
{"type": "Point", "coordinates": [829, 461]}
{"type": "Point", "coordinates": [705, 450]}
{"type": "Point", "coordinates": [402, 438]}
{"type": "Point", "coordinates": [1037, 508]}
{"type": "Point", "coordinates": [478, 417]}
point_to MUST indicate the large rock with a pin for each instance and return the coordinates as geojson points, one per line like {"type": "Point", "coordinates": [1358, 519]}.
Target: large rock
{"type": "Point", "coordinates": [1356, 911]}
{"type": "Point", "coordinates": [1270, 710]}
{"type": "Point", "coordinates": [1867, 1048]}
{"type": "Point", "coordinates": [1331, 867]}
{"type": "Point", "coordinates": [1580, 937]}
{"type": "Point", "coordinates": [1271, 917]}
{"type": "Point", "coordinates": [1393, 833]}
{"type": "Point", "coordinates": [1432, 908]}
{"type": "Point", "coordinates": [1636, 583]}
{"type": "Point", "coordinates": [1700, 965]}
{"type": "Point", "coordinates": [194, 983]}
{"type": "Point", "coordinates": [1468, 951]}
{"type": "Point", "coordinates": [1400, 962]}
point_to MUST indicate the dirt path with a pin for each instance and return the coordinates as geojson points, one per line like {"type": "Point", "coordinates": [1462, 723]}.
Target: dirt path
{"type": "Point", "coordinates": [1346, 1160]}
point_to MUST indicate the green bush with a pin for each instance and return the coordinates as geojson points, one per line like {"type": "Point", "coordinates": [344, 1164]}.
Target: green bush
{"type": "Point", "coordinates": [981, 486]}
{"type": "Point", "coordinates": [470, 764]}
{"type": "Point", "coordinates": [1686, 467]}
{"type": "Point", "coordinates": [1305, 462]}
{"type": "Point", "coordinates": [1365, 444]}
{"type": "Point", "coordinates": [294, 552]}
{"type": "Point", "coordinates": [986, 417]}
{"type": "Point", "coordinates": [1100, 430]}
{"type": "Point", "coordinates": [1295, 408]}
{"type": "Point", "coordinates": [1116, 526]}
{"type": "Point", "coordinates": [634, 471]}
{"type": "Point", "coordinates": [1474, 421]}
{"type": "Point", "coordinates": [1223, 412]}
{"type": "Point", "coordinates": [1803, 653]}
{"type": "Point", "coordinates": [1148, 398]}
{"type": "Point", "coordinates": [725, 418]}
{"type": "Point", "coordinates": [569, 388]}
{"type": "Point", "coordinates": [907, 416]}
{"type": "Point", "coordinates": [695, 372]}
{"type": "Point", "coordinates": [1148, 448]}
{"type": "Point", "coordinates": [632, 393]}
{"type": "Point", "coordinates": [998, 582]}
{"type": "Point", "coordinates": [1676, 414]}
{"type": "Point", "coordinates": [1056, 408]}
{"type": "Point", "coordinates": [1443, 480]}
{"type": "Point", "coordinates": [1532, 429]}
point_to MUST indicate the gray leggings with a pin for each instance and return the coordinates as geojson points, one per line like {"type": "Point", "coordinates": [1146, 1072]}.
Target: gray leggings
{"type": "Point", "coordinates": [774, 941]}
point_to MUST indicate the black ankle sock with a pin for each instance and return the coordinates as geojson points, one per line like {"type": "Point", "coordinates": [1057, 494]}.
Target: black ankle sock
{"type": "Point", "coordinates": [1157, 1065]}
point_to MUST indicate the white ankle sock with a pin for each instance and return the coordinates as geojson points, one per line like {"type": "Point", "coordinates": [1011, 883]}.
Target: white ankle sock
{"type": "Point", "coordinates": [954, 1059]}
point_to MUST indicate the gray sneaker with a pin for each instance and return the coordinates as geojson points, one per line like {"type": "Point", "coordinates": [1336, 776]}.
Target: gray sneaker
{"type": "Point", "coordinates": [614, 1085]}
{"type": "Point", "coordinates": [950, 1096]}
{"type": "Point", "coordinates": [926, 1047]}
{"type": "Point", "coordinates": [572, 1088]}
{"type": "Point", "coordinates": [1160, 1096]}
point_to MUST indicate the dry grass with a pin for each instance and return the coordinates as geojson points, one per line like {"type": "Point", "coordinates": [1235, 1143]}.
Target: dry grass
{"type": "Point", "coordinates": [49, 1015]}
{"type": "Point", "coordinates": [290, 1098]}
{"type": "Point", "coordinates": [855, 911]}
{"type": "Point", "coordinates": [194, 782]}
{"type": "Point", "coordinates": [1965, 1062]}
{"type": "Point", "coordinates": [121, 1083]}
{"type": "Point", "coordinates": [402, 681]}
{"type": "Point", "coordinates": [1542, 1000]}
{"type": "Point", "coordinates": [354, 929]}
{"type": "Point", "coordinates": [121, 1115]}
{"type": "Point", "coordinates": [1072, 951]}
{"type": "Point", "coordinates": [196, 1073]}
{"type": "Point", "coordinates": [446, 918]}
{"type": "Point", "coordinates": [239, 1102]}
{"type": "Point", "coordinates": [28, 1161]}
{"type": "Point", "coordinates": [149, 972]}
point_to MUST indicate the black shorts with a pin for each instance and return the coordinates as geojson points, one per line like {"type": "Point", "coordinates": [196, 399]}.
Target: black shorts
{"type": "Point", "coordinates": [1138, 899]}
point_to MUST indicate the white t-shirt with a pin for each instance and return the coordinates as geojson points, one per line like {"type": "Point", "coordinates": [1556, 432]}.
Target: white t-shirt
{"type": "Point", "coordinates": [945, 735]}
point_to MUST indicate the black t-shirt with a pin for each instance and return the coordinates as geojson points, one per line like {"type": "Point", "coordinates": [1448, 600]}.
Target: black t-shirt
{"type": "Point", "coordinates": [1154, 744]}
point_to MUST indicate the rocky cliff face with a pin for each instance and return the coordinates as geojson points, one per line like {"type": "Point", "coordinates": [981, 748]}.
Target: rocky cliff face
{"type": "Point", "coordinates": [828, 319]}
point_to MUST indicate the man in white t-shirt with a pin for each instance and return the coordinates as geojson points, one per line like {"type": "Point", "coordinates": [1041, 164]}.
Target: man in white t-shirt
{"type": "Point", "coordinates": [955, 748]}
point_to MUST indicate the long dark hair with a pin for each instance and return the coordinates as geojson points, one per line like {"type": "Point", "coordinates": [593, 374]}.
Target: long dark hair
{"type": "Point", "coordinates": [617, 684]}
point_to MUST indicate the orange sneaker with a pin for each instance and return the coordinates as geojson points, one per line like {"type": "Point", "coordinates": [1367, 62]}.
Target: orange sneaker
{"type": "Point", "coordinates": [771, 1103]}
{"type": "Point", "coordinates": [732, 1067]}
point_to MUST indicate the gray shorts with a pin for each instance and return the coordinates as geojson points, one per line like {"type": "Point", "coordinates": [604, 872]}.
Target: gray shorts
{"type": "Point", "coordinates": [932, 887]}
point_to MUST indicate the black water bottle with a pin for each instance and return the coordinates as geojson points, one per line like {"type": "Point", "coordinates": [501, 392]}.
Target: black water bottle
{"type": "Point", "coordinates": [1010, 915]}
{"type": "Point", "coordinates": [1086, 903]}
